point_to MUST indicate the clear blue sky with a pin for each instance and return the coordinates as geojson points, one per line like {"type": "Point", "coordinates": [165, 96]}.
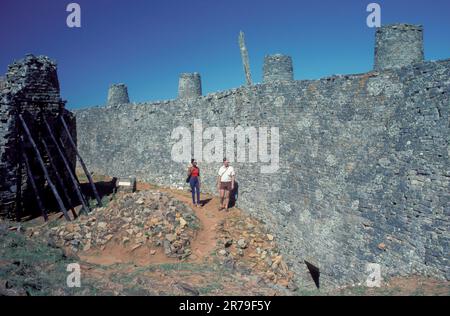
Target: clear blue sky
{"type": "Point", "coordinates": [146, 44]}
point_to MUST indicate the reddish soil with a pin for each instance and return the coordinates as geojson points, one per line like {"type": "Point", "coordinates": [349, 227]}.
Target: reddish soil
{"type": "Point", "coordinates": [202, 246]}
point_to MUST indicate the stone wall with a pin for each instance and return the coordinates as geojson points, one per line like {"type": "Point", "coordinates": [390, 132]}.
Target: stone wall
{"type": "Point", "coordinates": [364, 164]}
{"type": "Point", "coordinates": [31, 88]}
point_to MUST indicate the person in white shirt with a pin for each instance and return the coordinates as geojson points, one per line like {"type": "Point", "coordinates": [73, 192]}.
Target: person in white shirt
{"type": "Point", "coordinates": [225, 183]}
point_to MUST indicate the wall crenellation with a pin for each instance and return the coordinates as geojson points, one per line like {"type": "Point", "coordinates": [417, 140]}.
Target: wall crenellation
{"type": "Point", "coordinates": [2, 83]}
{"type": "Point", "coordinates": [398, 45]}
{"type": "Point", "coordinates": [190, 86]}
{"type": "Point", "coordinates": [278, 68]}
{"type": "Point", "coordinates": [118, 94]}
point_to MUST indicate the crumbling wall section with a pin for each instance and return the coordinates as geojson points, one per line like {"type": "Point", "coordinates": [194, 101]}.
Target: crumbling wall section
{"type": "Point", "coordinates": [31, 89]}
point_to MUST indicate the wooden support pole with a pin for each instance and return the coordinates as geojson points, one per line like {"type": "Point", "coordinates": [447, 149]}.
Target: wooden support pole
{"type": "Point", "coordinates": [59, 178]}
{"type": "Point", "coordinates": [88, 175]}
{"type": "Point", "coordinates": [72, 176]}
{"type": "Point", "coordinates": [44, 169]}
{"type": "Point", "coordinates": [33, 183]}
{"type": "Point", "coordinates": [245, 60]}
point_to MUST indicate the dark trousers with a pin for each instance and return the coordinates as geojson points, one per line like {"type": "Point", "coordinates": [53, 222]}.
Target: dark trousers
{"type": "Point", "coordinates": [195, 189]}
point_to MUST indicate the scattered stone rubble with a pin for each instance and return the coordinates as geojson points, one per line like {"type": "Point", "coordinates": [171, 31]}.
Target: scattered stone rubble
{"type": "Point", "coordinates": [244, 240]}
{"type": "Point", "coordinates": [132, 220]}
{"type": "Point", "coordinates": [154, 219]}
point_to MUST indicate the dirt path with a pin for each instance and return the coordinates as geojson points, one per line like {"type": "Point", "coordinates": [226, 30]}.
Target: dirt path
{"type": "Point", "coordinates": [205, 242]}
{"type": "Point", "coordinates": [203, 245]}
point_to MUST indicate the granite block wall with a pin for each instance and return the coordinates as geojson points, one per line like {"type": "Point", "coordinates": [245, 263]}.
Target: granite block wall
{"type": "Point", "coordinates": [364, 172]}
{"type": "Point", "coordinates": [31, 88]}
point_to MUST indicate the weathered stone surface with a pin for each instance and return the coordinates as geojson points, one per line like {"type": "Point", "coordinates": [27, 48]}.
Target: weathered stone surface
{"type": "Point", "coordinates": [364, 161]}
{"type": "Point", "coordinates": [118, 94]}
{"type": "Point", "coordinates": [278, 68]}
{"type": "Point", "coordinates": [189, 86]}
{"type": "Point", "coordinates": [2, 83]}
{"type": "Point", "coordinates": [31, 86]}
{"type": "Point", "coordinates": [126, 221]}
{"type": "Point", "coordinates": [398, 45]}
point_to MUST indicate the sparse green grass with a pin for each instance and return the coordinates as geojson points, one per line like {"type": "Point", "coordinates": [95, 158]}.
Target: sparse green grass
{"type": "Point", "coordinates": [137, 271]}
{"type": "Point", "coordinates": [212, 288]}
{"type": "Point", "coordinates": [181, 266]}
{"type": "Point", "coordinates": [36, 268]}
{"type": "Point", "coordinates": [307, 292]}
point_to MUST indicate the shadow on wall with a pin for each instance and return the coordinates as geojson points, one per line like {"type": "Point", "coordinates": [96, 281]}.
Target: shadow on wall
{"type": "Point", "coordinates": [234, 194]}
{"type": "Point", "coordinates": [315, 273]}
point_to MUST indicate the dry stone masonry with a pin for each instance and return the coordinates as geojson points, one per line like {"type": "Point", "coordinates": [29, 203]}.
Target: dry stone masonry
{"type": "Point", "coordinates": [118, 94]}
{"type": "Point", "coordinates": [31, 88]}
{"type": "Point", "coordinates": [190, 86]}
{"type": "Point", "coordinates": [278, 68]}
{"type": "Point", "coordinates": [2, 83]}
{"type": "Point", "coordinates": [398, 45]}
{"type": "Point", "coordinates": [364, 159]}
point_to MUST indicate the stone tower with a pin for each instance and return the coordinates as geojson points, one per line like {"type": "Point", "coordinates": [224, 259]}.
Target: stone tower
{"type": "Point", "coordinates": [398, 45]}
{"type": "Point", "coordinates": [32, 90]}
{"type": "Point", "coordinates": [118, 94]}
{"type": "Point", "coordinates": [278, 68]}
{"type": "Point", "coordinates": [2, 83]}
{"type": "Point", "coordinates": [190, 86]}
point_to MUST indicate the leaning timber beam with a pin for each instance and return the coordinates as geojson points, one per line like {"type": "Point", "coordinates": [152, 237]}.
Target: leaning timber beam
{"type": "Point", "coordinates": [33, 183]}
{"type": "Point", "coordinates": [88, 175]}
{"type": "Point", "coordinates": [72, 176]}
{"type": "Point", "coordinates": [44, 169]}
{"type": "Point", "coordinates": [59, 178]}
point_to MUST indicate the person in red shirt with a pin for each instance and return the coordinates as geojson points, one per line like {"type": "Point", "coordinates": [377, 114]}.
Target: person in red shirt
{"type": "Point", "coordinates": [194, 181]}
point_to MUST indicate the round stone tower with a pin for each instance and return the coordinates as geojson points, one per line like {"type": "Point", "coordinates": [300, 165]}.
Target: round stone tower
{"type": "Point", "coordinates": [398, 45]}
{"type": "Point", "coordinates": [2, 83]}
{"type": "Point", "coordinates": [278, 68]}
{"type": "Point", "coordinates": [118, 94]}
{"type": "Point", "coordinates": [190, 86]}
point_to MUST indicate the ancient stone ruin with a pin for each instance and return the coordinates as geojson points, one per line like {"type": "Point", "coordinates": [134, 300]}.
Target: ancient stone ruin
{"type": "Point", "coordinates": [364, 173]}
{"type": "Point", "coordinates": [398, 45]}
{"type": "Point", "coordinates": [118, 94]}
{"type": "Point", "coordinates": [35, 132]}
{"type": "Point", "coordinates": [278, 68]}
{"type": "Point", "coordinates": [190, 86]}
{"type": "Point", "coordinates": [2, 83]}
{"type": "Point", "coordinates": [364, 159]}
